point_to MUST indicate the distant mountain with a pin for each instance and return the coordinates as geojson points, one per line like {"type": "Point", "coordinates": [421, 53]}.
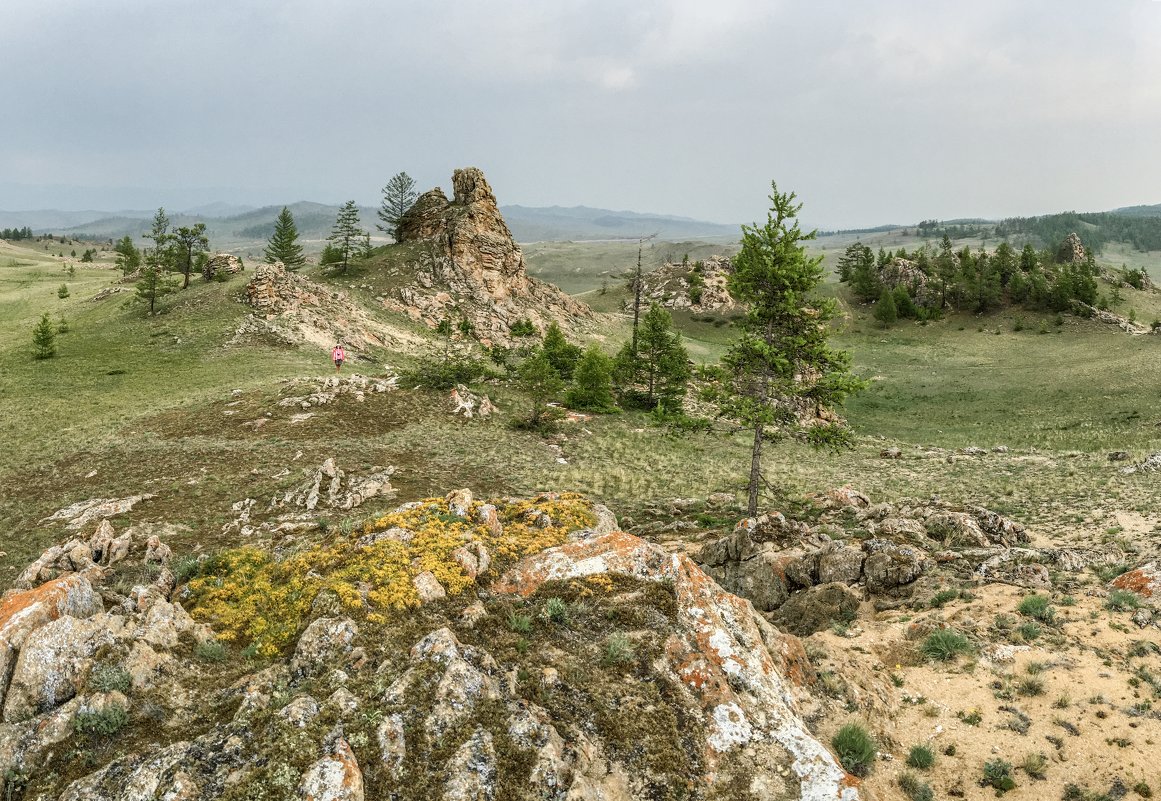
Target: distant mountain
{"type": "Point", "coordinates": [44, 220]}
{"type": "Point", "coordinates": [1139, 211]}
{"type": "Point", "coordinates": [554, 223]}
{"type": "Point", "coordinates": [314, 221]}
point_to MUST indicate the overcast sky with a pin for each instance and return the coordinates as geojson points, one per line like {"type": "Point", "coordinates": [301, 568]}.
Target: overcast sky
{"type": "Point", "coordinates": [885, 111]}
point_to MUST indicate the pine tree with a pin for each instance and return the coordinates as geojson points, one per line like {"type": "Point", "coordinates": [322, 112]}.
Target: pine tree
{"type": "Point", "coordinates": [188, 242]}
{"type": "Point", "coordinates": [283, 245]}
{"type": "Point", "coordinates": [346, 236]}
{"type": "Point", "coordinates": [782, 361]}
{"type": "Point", "coordinates": [885, 311]}
{"type": "Point", "coordinates": [561, 354]}
{"type": "Point", "coordinates": [160, 257]}
{"type": "Point", "coordinates": [153, 284]}
{"type": "Point", "coordinates": [663, 359]}
{"type": "Point", "coordinates": [592, 388]}
{"type": "Point", "coordinates": [656, 371]}
{"type": "Point", "coordinates": [398, 197]}
{"type": "Point", "coordinates": [44, 339]}
{"type": "Point", "coordinates": [128, 256]}
{"type": "Point", "coordinates": [539, 379]}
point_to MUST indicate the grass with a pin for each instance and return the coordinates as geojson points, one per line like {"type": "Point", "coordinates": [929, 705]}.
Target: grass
{"type": "Point", "coordinates": [1122, 601]}
{"type": "Point", "coordinates": [1037, 607]}
{"type": "Point", "coordinates": [855, 749]}
{"type": "Point", "coordinates": [944, 645]}
{"type": "Point", "coordinates": [998, 775]}
{"type": "Point", "coordinates": [921, 757]}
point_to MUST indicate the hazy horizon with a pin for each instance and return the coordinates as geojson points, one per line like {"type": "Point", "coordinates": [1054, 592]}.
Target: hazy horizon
{"type": "Point", "coordinates": [881, 113]}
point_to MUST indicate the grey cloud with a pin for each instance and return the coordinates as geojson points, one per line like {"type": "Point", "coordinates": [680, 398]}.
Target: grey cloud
{"type": "Point", "coordinates": [872, 112]}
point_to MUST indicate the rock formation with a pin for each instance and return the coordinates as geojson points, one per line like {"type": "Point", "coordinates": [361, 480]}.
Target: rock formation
{"type": "Point", "coordinates": [1072, 249]}
{"type": "Point", "coordinates": [222, 264]}
{"type": "Point", "coordinates": [292, 309]}
{"type": "Point", "coordinates": [470, 266]}
{"type": "Point", "coordinates": [701, 286]}
{"type": "Point", "coordinates": [570, 661]}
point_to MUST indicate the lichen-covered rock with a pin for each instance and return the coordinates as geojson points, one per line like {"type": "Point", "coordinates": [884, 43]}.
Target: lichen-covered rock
{"type": "Point", "coordinates": [889, 566]}
{"type": "Point", "coordinates": [52, 662]}
{"type": "Point", "coordinates": [741, 672]}
{"type": "Point", "coordinates": [841, 564]}
{"type": "Point", "coordinates": [1144, 580]}
{"type": "Point", "coordinates": [817, 608]}
{"type": "Point", "coordinates": [472, 770]}
{"type": "Point", "coordinates": [334, 778]}
{"type": "Point", "coordinates": [473, 264]}
{"type": "Point", "coordinates": [325, 644]}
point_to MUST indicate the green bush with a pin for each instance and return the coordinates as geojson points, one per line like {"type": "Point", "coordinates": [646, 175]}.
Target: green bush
{"type": "Point", "coordinates": [556, 611]}
{"type": "Point", "coordinates": [920, 756]}
{"type": "Point", "coordinates": [998, 774]}
{"type": "Point", "coordinates": [445, 374]}
{"type": "Point", "coordinates": [107, 678]}
{"type": "Point", "coordinates": [943, 597]}
{"type": "Point", "coordinates": [1037, 607]}
{"type": "Point", "coordinates": [619, 650]}
{"type": "Point", "coordinates": [520, 624]}
{"type": "Point", "coordinates": [1030, 630]}
{"type": "Point", "coordinates": [945, 645]}
{"type": "Point", "coordinates": [211, 651]}
{"type": "Point", "coordinates": [101, 723]}
{"type": "Point", "coordinates": [1122, 601]}
{"type": "Point", "coordinates": [855, 749]}
{"type": "Point", "coordinates": [914, 789]}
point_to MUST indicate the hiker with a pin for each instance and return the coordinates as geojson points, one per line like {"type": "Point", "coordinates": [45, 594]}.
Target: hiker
{"type": "Point", "coordinates": [338, 355]}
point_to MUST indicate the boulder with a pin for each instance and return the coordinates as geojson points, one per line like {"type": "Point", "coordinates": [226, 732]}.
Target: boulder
{"type": "Point", "coordinates": [335, 777]}
{"type": "Point", "coordinates": [841, 564]}
{"type": "Point", "coordinates": [817, 608]}
{"type": "Point", "coordinates": [1144, 580]}
{"type": "Point", "coordinates": [326, 643]}
{"type": "Point", "coordinates": [472, 770]}
{"type": "Point", "coordinates": [889, 566]}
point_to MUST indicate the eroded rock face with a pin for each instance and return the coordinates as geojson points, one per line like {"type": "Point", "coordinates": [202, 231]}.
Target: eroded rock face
{"type": "Point", "coordinates": [334, 778]}
{"type": "Point", "coordinates": [474, 265]}
{"type": "Point", "coordinates": [740, 671]}
{"type": "Point", "coordinates": [293, 309]}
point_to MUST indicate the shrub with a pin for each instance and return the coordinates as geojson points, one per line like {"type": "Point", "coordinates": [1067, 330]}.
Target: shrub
{"type": "Point", "coordinates": [945, 645]}
{"type": "Point", "coordinates": [618, 650]}
{"type": "Point", "coordinates": [913, 788]}
{"type": "Point", "coordinates": [1035, 765]}
{"type": "Point", "coordinates": [1037, 607]}
{"type": "Point", "coordinates": [921, 757]}
{"type": "Point", "coordinates": [556, 610]}
{"type": "Point", "coordinates": [211, 651]}
{"type": "Point", "coordinates": [62, 291]}
{"type": "Point", "coordinates": [592, 388]}
{"type": "Point", "coordinates": [1030, 630]}
{"type": "Point", "coordinates": [445, 374]}
{"type": "Point", "coordinates": [520, 624]}
{"type": "Point", "coordinates": [998, 774]}
{"type": "Point", "coordinates": [1030, 686]}
{"type": "Point", "coordinates": [522, 328]}
{"type": "Point", "coordinates": [100, 723]}
{"type": "Point", "coordinates": [107, 678]}
{"type": "Point", "coordinates": [941, 598]}
{"type": "Point", "coordinates": [1122, 601]}
{"type": "Point", "coordinates": [855, 749]}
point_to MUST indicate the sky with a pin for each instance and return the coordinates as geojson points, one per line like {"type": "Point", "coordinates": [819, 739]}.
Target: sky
{"type": "Point", "coordinates": [878, 112]}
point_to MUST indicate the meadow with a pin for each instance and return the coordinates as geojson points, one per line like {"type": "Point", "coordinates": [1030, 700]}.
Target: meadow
{"type": "Point", "coordinates": [134, 404]}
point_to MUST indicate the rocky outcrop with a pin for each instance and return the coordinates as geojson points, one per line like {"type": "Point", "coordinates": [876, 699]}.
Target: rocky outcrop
{"type": "Point", "coordinates": [700, 286]}
{"type": "Point", "coordinates": [635, 674]}
{"type": "Point", "coordinates": [772, 560]}
{"type": "Point", "coordinates": [291, 309]}
{"type": "Point", "coordinates": [1072, 250]}
{"type": "Point", "coordinates": [472, 268]}
{"type": "Point", "coordinates": [1144, 580]}
{"type": "Point", "coordinates": [222, 264]}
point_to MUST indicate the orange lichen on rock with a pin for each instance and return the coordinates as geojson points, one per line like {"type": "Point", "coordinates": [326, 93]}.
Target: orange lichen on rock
{"type": "Point", "coordinates": [1144, 580]}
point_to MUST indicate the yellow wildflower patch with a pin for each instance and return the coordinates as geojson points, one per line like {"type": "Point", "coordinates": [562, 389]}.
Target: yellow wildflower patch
{"type": "Point", "coordinates": [251, 597]}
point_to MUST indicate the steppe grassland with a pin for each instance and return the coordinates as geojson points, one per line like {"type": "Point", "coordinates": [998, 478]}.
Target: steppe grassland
{"type": "Point", "coordinates": [142, 402]}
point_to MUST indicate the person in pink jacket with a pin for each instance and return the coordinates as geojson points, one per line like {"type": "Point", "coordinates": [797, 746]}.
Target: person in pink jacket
{"type": "Point", "coordinates": [338, 356]}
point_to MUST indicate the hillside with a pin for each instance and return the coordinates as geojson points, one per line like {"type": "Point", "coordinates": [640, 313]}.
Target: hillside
{"type": "Point", "coordinates": [324, 597]}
